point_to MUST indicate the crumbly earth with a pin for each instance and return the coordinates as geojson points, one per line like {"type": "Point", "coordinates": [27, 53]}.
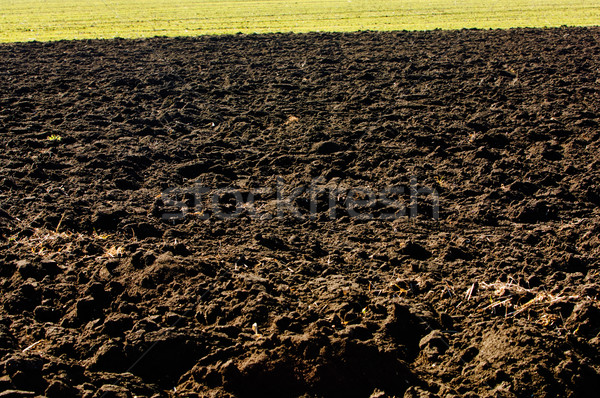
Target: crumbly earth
{"type": "Point", "coordinates": [107, 292]}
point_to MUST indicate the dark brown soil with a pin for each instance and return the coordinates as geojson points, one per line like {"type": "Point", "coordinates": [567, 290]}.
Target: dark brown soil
{"type": "Point", "coordinates": [105, 294]}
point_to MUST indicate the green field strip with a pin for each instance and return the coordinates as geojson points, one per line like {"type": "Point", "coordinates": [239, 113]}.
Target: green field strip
{"type": "Point", "coordinates": [75, 19]}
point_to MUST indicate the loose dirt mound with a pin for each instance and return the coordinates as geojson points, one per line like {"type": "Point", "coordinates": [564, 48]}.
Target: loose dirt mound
{"type": "Point", "coordinates": [119, 278]}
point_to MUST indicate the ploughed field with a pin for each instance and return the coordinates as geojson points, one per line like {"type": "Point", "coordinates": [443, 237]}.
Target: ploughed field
{"type": "Point", "coordinates": [404, 214]}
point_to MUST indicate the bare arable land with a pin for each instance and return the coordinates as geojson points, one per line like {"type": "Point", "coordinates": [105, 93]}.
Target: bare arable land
{"type": "Point", "coordinates": [406, 214]}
